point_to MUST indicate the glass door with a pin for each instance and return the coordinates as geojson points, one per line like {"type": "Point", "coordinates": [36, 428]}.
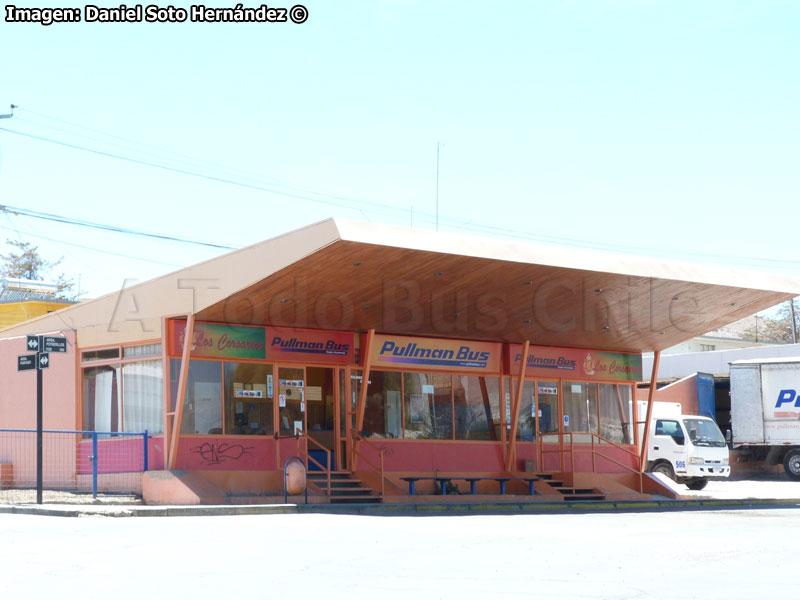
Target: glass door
{"type": "Point", "coordinates": [546, 424]}
{"type": "Point", "coordinates": [291, 400]}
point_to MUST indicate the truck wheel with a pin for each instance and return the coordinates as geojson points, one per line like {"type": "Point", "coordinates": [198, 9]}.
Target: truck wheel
{"type": "Point", "coordinates": [697, 483]}
{"type": "Point", "coordinates": [791, 463]}
{"type": "Point", "coordinates": [665, 469]}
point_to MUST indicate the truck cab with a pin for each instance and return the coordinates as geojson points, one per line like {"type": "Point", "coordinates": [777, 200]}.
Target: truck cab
{"type": "Point", "coordinates": [689, 449]}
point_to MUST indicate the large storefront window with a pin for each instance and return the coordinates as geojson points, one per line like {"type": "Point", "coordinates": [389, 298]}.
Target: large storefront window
{"type": "Point", "coordinates": [124, 398]}
{"type": "Point", "coordinates": [614, 401]}
{"type": "Point", "coordinates": [527, 416]}
{"type": "Point", "coordinates": [143, 406]}
{"type": "Point", "coordinates": [202, 406]}
{"type": "Point", "coordinates": [101, 399]}
{"type": "Point", "coordinates": [428, 403]}
{"type": "Point", "coordinates": [382, 417]}
{"type": "Point", "coordinates": [477, 407]}
{"type": "Point", "coordinates": [248, 398]}
{"type": "Point", "coordinates": [580, 407]}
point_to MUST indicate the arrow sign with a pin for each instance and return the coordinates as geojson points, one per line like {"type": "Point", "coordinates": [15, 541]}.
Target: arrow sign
{"type": "Point", "coordinates": [44, 360]}
{"type": "Point", "coordinates": [26, 362]}
{"type": "Point", "coordinates": [54, 344]}
{"type": "Point", "coordinates": [33, 343]}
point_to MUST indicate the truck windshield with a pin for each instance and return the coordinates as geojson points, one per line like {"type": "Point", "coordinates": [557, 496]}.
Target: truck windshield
{"type": "Point", "coordinates": [703, 432]}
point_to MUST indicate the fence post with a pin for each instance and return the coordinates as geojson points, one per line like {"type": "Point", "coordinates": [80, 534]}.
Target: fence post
{"type": "Point", "coordinates": [144, 457]}
{"type": "Point", "coordinates": [94, 464]}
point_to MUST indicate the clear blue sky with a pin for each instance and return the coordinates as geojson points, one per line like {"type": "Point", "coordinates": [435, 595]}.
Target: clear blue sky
{"type": "Point", "coordinates": [668, 128]}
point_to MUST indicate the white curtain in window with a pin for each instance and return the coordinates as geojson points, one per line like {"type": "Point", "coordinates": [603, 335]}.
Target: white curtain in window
{"type": "Point", "coordinates": [103, 393]}
{"type": "Point", "coordinates": [143, 404]}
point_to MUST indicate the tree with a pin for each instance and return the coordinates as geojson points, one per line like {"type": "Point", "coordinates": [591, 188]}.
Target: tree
{"type": "Point", "coordinates": [25, 262]}
{"type": "Point", "coordinates": [778, 328]}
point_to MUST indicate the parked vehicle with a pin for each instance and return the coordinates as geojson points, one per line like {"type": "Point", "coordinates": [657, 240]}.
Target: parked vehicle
{"type": "Point", "coordinates": [689, 449]}
{"type": "Point", "coordinates": [765, 411]}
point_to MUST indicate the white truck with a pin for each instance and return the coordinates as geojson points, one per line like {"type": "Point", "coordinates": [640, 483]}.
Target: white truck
{"type": "Point", "coordinates": [689, 449]}
{"type": "Point", "coordinates": [765, 411]}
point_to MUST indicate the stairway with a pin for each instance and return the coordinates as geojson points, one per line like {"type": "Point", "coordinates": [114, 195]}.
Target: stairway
{"type": "Point", "coordinates": [345, 488]}
{"type": "Point", "coordinates": [570, 494]}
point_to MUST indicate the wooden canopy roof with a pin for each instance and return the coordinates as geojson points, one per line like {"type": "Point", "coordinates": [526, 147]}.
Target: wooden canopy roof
{"type": "Point", "coordinates": [357, 276]}
{"type": "Point", "coordinates": [421, 283]}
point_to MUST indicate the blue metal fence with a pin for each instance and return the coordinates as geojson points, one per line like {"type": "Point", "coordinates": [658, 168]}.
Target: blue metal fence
{"type": "Point", "coordinates": [73, 461]}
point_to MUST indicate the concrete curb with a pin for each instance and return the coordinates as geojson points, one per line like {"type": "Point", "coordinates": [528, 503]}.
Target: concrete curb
{"type": "Point", "coordinates": [428, 509]}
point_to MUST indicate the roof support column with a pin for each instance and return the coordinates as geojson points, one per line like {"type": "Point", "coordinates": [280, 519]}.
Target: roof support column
{"type": "Point", "coordinates": [516, 402]}
{"type": "Point", "coordinates": [188, 338]}
{"type": "Point", "coordinates": [362, 396]}
{"type": "Point", "coordinates": [650, 394]}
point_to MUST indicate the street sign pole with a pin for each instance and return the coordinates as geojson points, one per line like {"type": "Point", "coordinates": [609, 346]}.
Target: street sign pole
{"type": "Point", "coordinates": [38, 434]}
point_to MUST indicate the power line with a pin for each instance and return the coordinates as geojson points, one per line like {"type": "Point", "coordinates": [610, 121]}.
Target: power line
{"type": "Point", "coordinates": [102, 251]}
{"type": "Point", "coordinates": [215, 178]}
{"type": "Point", "coordinates": [355, 204]}
{"type": "Point", "coordinates": [70, 221]}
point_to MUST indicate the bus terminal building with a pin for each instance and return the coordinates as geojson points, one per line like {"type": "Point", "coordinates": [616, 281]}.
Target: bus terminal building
{"type": "Point", "coordinates": [383, 358]}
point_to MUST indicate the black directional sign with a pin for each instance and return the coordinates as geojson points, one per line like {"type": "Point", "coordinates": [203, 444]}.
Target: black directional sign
{"type": "Point", "coordinates": [33, 343]}
{"type": "Point", "coordinates": [44, 360]}
{"type": "Point", "coordinates": [26, 362]}
{"type": "Point", "coordinates": [54, 344]}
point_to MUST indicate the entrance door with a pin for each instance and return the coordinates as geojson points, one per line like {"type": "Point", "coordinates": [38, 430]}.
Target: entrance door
{"type": "Point", "coordinates": [320, 396]}
{"type": "Point", "coordinates": [547, 419]}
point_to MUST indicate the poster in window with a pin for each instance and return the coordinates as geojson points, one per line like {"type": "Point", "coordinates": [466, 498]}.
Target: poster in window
{"type": "Point", "coordinates": [417, 408]}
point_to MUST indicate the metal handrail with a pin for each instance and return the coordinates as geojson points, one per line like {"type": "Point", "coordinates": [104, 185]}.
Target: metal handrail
{"type": "Point", "coordinates": [379, 450]}
{"type": "Point", "coordinates": [595, 452]}
{"type": "Point", "coordinates": [327, 457]}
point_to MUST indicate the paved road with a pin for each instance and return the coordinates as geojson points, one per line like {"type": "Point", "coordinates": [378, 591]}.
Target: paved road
{"type": "Point", "coordinates": [687, 555]}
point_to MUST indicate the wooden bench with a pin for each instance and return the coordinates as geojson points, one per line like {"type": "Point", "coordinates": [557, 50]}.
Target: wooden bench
{"type": "Point", "coordinates": [443, 480]}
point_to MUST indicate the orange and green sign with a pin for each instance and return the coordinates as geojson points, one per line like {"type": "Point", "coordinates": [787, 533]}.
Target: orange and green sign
{"type": "Point", "coordinates": [219, 341]}
{"type": "Point", "coordinates": [574, 363]}
{"type": "Point", "coordinates": [434, 354]}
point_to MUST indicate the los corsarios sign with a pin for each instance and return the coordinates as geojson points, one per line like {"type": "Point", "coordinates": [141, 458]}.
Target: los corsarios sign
{"type": "Point", "coordinates": [574, 363]}
{"type": "Point", "coordinates": [219, 341]}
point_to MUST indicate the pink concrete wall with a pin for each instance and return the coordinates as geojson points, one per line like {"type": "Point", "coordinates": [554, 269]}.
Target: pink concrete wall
{"type": "Point", "coordinates": [18, 389]}
{"type": "Point", "coordinates": [223, 453]}
{"type": "Point", "coordinates": [122, 454]}
{"type": "Point", "coordinates": [18, 411]}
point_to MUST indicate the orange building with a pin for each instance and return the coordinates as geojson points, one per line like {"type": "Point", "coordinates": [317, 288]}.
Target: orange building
{"type": "Point", "coordinates": [387, 359]}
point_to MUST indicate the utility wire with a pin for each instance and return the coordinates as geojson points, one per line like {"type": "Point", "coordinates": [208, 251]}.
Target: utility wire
{"type": "Point", "coordinates": [353, 204]}
{"type": "Point", "coordinates": [70, 221]}
{"type": "Point", "coordinates": [102, 251]}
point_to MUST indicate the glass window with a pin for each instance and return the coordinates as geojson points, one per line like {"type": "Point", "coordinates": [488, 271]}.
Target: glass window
{"type": "Point", "coordinates": [292, 406]}
{"type": "Point", "coordinates": [248, 398]}
{"type": "Point", "coordinates": [547, 392]}
{"type": "Point", "coordinates": [107, 354]}
{"type": "Point", "coordinates": [428, 402]}
{"type": "Point", "coordinates": [614, 401]}
{"type": "Point", "coordinates": [143, 406]}
{"type": "Point", "coordinates": [143, 350]}
{"type": "Point", "coordinates": [580, 406]}
{"type": "Point", "coordinates": [477, 407]}
{"type": "Point", "coordinates": [670, 428]}
{"type": "Point", "coordinates": [526, 412]}
{"type": "Point", "coordinates": [101, 399]}
{"type": "Point", "coordinates": [382, 417]}
{"type": "Point", "coordinates": [202, 405]}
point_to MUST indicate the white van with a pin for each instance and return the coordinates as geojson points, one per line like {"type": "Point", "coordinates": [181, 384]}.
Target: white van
{"type": "Point", "coordinates": [689, 449]}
